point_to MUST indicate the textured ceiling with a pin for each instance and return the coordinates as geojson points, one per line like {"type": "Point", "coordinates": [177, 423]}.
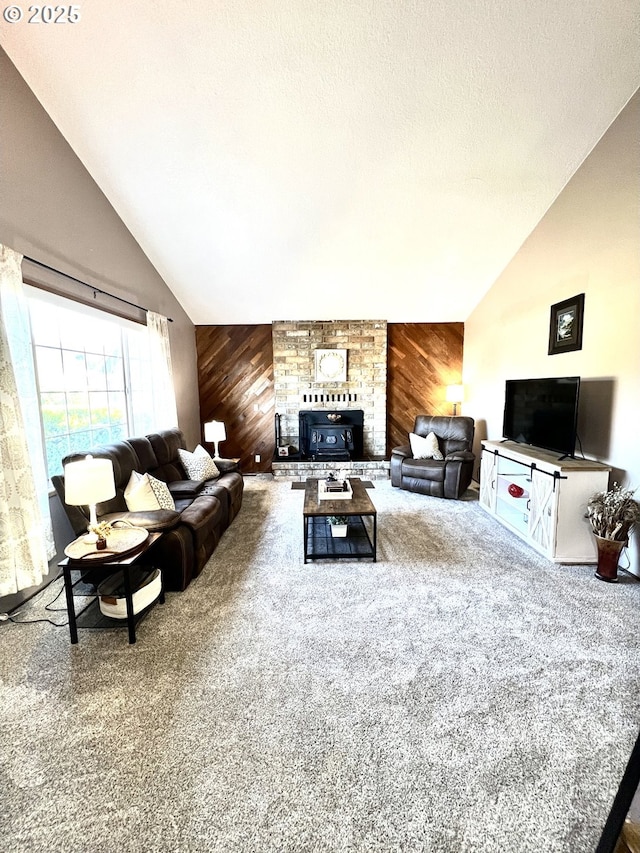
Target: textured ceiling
{"type": "Point", "coordinates": [332, 159]}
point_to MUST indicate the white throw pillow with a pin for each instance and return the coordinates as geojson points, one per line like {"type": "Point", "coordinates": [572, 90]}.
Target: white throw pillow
{"type": "Point", "coordinates": [145, 493]}
{"type": "Point", "coordinates": [425, 448]}
{"type": "Point", "coordinates": [198, 465]}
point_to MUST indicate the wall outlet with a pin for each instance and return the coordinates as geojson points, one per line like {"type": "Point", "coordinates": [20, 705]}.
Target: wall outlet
{"type": "Point", "coordinates": [257, 457]}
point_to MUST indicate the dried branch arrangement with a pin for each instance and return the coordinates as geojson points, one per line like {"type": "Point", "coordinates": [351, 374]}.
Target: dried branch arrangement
{"type": "Point", "coordinates": [613, 513]}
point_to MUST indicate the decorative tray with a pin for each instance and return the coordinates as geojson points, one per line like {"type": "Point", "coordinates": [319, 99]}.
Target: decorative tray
{"type": "Point", "coordinates": [325, 495]}
{"type": "Point", "coordinates": [121, 542]}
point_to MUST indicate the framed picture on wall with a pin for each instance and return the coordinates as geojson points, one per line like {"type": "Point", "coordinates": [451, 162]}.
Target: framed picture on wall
{"type": "Point", "coordinates": [331, 365]}
{"type": "Point", "coordinates": [565, 326]}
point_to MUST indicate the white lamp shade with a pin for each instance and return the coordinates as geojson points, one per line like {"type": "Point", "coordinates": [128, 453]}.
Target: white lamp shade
{"type": "Point", "coordinates": [214, 431]}
{"type": "Point", "coordinates": [455, 393]}
{"type": "Point", "coordinates": [88, 481]}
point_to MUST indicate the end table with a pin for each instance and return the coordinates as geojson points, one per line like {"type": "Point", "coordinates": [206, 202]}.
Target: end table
{"type": "Point", "coordinates": [106, 565]}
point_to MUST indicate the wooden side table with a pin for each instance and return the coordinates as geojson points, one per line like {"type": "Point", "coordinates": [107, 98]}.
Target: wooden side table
{"type": "Point", "coordinates": [106, 565]}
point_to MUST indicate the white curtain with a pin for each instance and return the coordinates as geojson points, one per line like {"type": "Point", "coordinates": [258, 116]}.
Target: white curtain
{"type": "Point", "coordinates": [26, 534]}
{"type": "Point", "coordinates": [165, 414]}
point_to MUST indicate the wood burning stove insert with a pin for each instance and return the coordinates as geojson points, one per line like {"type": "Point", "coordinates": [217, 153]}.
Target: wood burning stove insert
{"type": "Point", "coordinates": [331, 435]}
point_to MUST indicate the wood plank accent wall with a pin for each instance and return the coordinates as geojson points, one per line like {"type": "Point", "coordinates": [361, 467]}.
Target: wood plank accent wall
{"type": "Point", "coordinates": [422, 359]}
{"type": "Point", "coordinates": [235, 375]}
{"type": "Point", "coordinates": [235, 382]}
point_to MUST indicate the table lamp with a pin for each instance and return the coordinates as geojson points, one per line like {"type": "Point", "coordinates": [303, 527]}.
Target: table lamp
{"type": "Point", "coordinates": [215, 432]}
{"type": "Point", "coordinates": [455, 395]}
{"type": "Point", "coordinates": [88, 482]}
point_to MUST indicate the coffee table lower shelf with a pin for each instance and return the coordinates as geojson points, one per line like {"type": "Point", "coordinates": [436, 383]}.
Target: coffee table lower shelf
{"type": "Point", "coordinates": [319, 544]}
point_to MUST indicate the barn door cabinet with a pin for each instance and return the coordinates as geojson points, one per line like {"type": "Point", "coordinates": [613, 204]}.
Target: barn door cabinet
{"type": "Point", "coordinates": [542, 498]}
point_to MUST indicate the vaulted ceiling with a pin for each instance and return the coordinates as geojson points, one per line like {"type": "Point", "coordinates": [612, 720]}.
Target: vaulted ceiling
{"type": "Point", "coordinates": [324, 159]}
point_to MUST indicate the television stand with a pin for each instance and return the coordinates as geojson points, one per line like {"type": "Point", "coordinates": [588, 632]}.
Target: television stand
{"type": "Point", "coordinates": [547, 503]}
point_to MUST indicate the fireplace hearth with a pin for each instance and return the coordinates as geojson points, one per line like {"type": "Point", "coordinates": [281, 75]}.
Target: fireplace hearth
{"type": "Point", "coordinates": [331, 435]}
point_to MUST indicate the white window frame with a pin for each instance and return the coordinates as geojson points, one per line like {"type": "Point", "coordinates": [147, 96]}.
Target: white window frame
{"type": "Point", "coordinates": [132, 351]}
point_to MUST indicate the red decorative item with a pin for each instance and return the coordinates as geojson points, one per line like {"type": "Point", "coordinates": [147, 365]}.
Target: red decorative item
{"type": "Point", "coordinates": [515, 491]}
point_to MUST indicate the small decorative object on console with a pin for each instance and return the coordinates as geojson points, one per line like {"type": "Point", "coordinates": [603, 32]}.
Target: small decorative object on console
{"type": "Point", "coordinates": [515, 490]}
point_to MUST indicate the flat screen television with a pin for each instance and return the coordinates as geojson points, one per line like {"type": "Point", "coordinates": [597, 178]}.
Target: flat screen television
{"type": "Point", "coordinates": [542, 412]}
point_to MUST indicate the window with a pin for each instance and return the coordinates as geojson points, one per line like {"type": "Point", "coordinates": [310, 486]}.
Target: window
{"type": "Point", "coordinates": [91, 369]}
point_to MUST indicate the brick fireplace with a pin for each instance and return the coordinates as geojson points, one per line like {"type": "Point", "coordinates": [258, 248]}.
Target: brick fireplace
{"type": "Point", "coordinates": [297, 388]}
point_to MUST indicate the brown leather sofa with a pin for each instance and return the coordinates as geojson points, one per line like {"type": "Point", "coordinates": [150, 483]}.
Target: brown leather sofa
{"type": "Point", "coordinates": [204, 509]}
{"type": "Point", "coordinates": [446, 478]}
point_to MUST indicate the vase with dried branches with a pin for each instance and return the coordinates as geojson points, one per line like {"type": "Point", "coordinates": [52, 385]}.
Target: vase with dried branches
{"type": "Point", "coordinates": [612, 515]}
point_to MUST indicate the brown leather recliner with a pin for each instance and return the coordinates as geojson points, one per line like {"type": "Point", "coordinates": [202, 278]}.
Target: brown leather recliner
{"type": "Point", "coordinates": [446, 478]}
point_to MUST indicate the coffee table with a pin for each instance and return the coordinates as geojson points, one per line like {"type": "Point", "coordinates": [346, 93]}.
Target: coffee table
{"type": "Point", "coordinates": [361, 538]}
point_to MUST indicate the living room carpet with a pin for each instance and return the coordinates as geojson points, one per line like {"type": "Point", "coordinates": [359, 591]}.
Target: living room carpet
{"type": "Point", "coordinates": [461, 694]}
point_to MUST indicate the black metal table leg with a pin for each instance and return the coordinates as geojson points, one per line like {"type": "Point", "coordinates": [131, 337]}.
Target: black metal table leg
{"type": "Point", "coordinates": [305, 533]}
{"type": "Point", "coordinates": [71, 608]}
{"type": "Point", "coordinates": [375, 537]}
{"type": "Point", "coordinates": [131, 623]}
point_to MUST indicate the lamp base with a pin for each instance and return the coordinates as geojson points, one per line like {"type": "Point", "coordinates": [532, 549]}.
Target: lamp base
{"type": "Point", "coordinates": [90, 537]}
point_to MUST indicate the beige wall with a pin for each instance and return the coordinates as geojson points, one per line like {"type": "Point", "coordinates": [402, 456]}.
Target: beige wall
{"type": "Point", "coordinates": [588, 242]}
{"type": "Point", "coordinates": [52, 210]}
